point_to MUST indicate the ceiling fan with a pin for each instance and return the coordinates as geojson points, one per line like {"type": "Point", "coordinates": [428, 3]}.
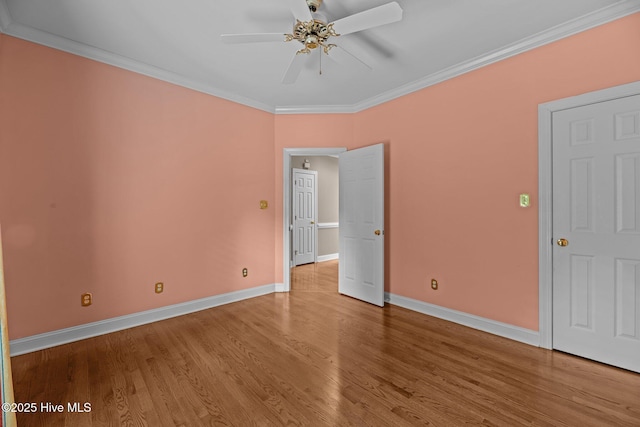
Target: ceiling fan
{"type": "Point", "coordinates": [312, 31]}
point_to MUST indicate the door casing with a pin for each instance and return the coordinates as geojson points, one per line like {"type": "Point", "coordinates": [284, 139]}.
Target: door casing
{"type": "Point", "coordinates": [545, 195]}
{"type": "Point", "coordinates": [287, 153]}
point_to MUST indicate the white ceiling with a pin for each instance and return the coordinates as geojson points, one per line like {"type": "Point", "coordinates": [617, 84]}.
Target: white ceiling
{"type": "Point", "coordinates": [179, 41]}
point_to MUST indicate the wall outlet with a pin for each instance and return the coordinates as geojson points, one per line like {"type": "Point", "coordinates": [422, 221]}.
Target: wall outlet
{"type": "Point", "coordinates": [434, 284]}
{"type": "Point", "coordinates": [159, 287]}
{"type": "Point", "coordinates": [86, 299]}
{"type": "Point", "coordinates": [245, 272]}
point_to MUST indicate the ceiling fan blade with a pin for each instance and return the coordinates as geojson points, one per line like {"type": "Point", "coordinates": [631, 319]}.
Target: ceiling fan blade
{"type": "Point", "coordinates": [300, 10]}
{"type": "Point", "coordinates": [344, 57]}
{"type": "Point", "coordinates": [292, 73]}
{"type": "Point", "coordinates": [252, 38]}
{"type": "Point", "coordinates": [385, 14]}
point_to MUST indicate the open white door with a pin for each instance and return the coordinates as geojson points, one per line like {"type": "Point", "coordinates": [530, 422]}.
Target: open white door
{"type": "Point", "coordinates": [362, 224]}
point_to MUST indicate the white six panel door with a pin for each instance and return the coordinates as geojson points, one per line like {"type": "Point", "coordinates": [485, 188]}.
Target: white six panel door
{"type": "Point", "coordinates": [361, 232]}
{"type": "Point", "coordinates": [305, 198]}
{"type": "Point", "coordinates": [596, 209]}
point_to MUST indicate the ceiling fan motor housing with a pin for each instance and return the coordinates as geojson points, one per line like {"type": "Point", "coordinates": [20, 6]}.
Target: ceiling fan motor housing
{"type": "Point", "coordinates": [314, 5]}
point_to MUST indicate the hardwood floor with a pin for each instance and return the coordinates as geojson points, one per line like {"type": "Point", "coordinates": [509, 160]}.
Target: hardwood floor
{"type": "Point", "coordinates": [315, 358]}
{"type": "Point", "coordinates": [320, 277]}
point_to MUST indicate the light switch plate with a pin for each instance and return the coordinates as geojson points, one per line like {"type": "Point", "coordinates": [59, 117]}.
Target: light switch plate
{"type": "Point", "coordinates": [525, 200]}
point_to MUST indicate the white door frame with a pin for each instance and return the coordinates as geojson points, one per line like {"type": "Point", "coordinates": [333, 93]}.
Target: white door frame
{"type": "Point", "coordinates": [545, 195]}
{"type": "Point", "coordinates": [287, 153]}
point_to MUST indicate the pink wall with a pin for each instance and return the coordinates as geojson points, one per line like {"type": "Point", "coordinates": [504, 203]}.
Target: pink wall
{"type": "Point", "coordinates": [458, 155]}
{"type": "Point", "coordinates": [111, 181]}
{"type": "Point", "coordinates": [462, 151]}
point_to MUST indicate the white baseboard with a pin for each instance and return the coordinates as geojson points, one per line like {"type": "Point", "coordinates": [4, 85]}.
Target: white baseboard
{"type": "Point", "coordinates": [329, 257]}
{"type": "Point", "coordinates": [505, 330]}
{"type": "Point", "coordinates": [77, 333]}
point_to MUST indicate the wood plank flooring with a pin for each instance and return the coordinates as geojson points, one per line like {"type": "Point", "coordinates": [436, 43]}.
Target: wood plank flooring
{"type": "Point", "coordinates": [315, 358]}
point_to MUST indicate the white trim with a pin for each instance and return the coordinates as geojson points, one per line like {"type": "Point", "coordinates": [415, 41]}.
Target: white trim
{"type": "Point", "coordinates": [287, 153]}
{"type": "Point", "coordinates": [317, 109]}
{"type": "Point", "coordinates": [328, 257]}
{"type": "Point", "coordinates": [494, 327]}
{"type": "Point", "coordinates": [559, 32]}
{"type": "Point", "coordinates": [66, 45]}
{"type": "Point", "coordinates": [323, 225]}
{"type": "Point", "coordinates": [279, 287]}
{"type": "Point", "coordinates": [591, 20]}
{"type": "Point", "coordinates": [545, 194]}
{"type": "Point", "coordinates": [76, 333]}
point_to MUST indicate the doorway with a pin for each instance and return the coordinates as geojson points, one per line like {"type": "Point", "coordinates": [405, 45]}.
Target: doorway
{"type": "Point", "coordinates": [361, 222]}
{"type": "Point", "coordinates": [288, 155]}
{"type": "Point", "coordinates": [590, 225]}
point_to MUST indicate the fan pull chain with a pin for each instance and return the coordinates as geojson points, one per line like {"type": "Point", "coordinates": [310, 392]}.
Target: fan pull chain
{"type": "Point", "coordinates": [320, 61]}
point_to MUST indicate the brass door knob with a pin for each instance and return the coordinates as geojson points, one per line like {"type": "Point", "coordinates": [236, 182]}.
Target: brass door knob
{"type": "Point", "coordinates": [377, 232]}
{"type": "Point", "coordinates": [563, 242]}
{"type": "Point", "coordinates": [313, 222]}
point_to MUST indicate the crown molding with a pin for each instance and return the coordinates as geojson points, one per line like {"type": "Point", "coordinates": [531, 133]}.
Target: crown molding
{"type": "Point", "coordinates": [559, 32]}
{"type": "Point", "coordinates": [12, 28]}
{"type": "Point", "coordinates": [315, 109]}
{"type": "Point", "coordinates": [591, 20]}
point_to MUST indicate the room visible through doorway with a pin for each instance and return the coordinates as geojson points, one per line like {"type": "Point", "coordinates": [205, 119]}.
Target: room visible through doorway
{"type": "Point", "coordinates": [325, 162]}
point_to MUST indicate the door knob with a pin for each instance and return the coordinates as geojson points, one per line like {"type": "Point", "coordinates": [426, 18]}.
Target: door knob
{"type": "Point", "coordinates": [313, 222]}
{"type": "Point", "coordinates": [377, 232]}
{"type": "Point", "coordinates": [563, 242]}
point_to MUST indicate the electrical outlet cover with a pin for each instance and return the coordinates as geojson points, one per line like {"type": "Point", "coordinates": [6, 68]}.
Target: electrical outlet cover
{"type": "Point", "coordinates": [86, 299]}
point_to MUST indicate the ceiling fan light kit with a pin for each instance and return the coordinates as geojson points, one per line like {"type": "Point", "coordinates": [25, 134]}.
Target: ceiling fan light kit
{"type": "Point", "coordinates": [312, 31]}
{"type": "Point", "coordinates": [312, 34]}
